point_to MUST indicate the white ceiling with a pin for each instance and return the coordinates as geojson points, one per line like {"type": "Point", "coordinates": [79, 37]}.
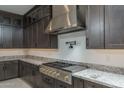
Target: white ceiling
{"type": "Point", "coordinates": [18, 9]}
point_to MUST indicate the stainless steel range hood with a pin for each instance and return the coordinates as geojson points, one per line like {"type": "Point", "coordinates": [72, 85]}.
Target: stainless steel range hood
{"type": "Point", "coordinates": [67, 18]}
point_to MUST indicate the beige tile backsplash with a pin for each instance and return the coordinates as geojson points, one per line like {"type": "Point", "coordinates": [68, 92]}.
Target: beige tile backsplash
{"type": "Point", "coordinates": [110, 57]}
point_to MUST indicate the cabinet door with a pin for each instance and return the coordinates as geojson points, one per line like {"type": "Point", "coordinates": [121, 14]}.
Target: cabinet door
{"type": "Point", "coordinates": [30, 37]}
{"type": "Point", "coordinates": [53, 41]}
{"type": "Point", "coordinates": [1, 37]}
{"type": "Point", "coordinates": [38, 79]}
{"type": "Point", "coordinates": [25, 38]}
{"type": "Point", "coordinates": [60, 84]}
{"type": "Point", "coordinates": [1, 19]}
{"type": "Point", "coordinates": [43, 38]}
{"type": "Point", "coordinates": [17, 37]}
{"type": "Point", "coordinates": [34, 36]}
{"type": "Point", "coordinates": [95, 25]}
{"type": "Point", "coordinates": [1, 71]}
{"type": "Point", "coordinates": [78, 83]}
{"type": "Point", "coordinates": [7, 20]}
{"type": "Point", "coordinates": [7, 36]}
{"type": "Point", "coordinates": [17, 21]}
{"type": "Point", "coordinates": [47, 82]}
{"type": "Point", "coordinates": [26, 73]}
{"type": "Point", "coordinates": [47, 10]}
{"type": "Point", "coordinates": [114, 26]}
{"type": "Point", "coordinates": [36, 76]}
{"type": "Point", "coordinates": [11, 69]}
{"type": "Point", "coordinates": [88, 84]}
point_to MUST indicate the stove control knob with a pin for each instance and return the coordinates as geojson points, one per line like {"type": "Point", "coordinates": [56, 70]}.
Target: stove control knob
{"type": "Point", "coordinates": [46, 71]}
{"type": "Point", "coordinates": [50, 72]}
{"type": "Point", "coordinates": [53, 73]}
{"type": "Point", "coordinates": [42, 69]}
{"type": "Point", "coordinates": [66, 78]}
{"type": "Point", "coordinates": [58, 74]}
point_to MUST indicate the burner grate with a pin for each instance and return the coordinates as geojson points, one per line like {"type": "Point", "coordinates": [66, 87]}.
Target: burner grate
{"type": "Point", "coordinates": [59, 64]}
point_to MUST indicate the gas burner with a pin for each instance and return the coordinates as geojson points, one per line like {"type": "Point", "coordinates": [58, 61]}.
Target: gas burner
{"type": "Point", "coordinates": [59, 64]}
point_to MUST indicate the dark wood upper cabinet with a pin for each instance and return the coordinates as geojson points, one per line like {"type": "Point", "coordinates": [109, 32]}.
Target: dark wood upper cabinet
{"type": "Point", "coordinates": [1, 19]}
{"type": "Point", "coordinates": [37, 21]}
{"type": "Point", "coordinates": [95, 27]}
{"type": "Point", "coordinates": [17, 22]}
{"type": "Point", "coordinates": [42, 38]}
{"type": "Point", "coordinates": [1, 37]}
{"type": "Point", "coordinates": [17, 37]}
{"type": "Point", "coordinates": [7, 20]}
{"type": "Point", "coordinates": [105, 27]}
{"type": "Point", "coordinates": [7, 36]}
{"type": "Point", "coordinates": [11, 31]}
{"type": "Point", "coordinates": [114, 26]}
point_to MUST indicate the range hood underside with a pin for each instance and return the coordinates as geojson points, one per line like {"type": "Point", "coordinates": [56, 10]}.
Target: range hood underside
{"type": "Point", "coordinates": [68, 30]}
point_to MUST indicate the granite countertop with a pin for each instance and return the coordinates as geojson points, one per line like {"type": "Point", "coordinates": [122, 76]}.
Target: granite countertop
{"type": "Point", "coordinates": [96, 76]}
{"type": "Point", "coordinates": [28, 60]}
{"type": "Point", "coordinates": [32, 61]}
{"type": "Point", "coordinates": [101, 77]}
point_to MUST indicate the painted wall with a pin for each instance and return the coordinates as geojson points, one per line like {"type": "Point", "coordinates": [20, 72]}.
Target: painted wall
{"type": "Point", "coordinates": [80, 53]}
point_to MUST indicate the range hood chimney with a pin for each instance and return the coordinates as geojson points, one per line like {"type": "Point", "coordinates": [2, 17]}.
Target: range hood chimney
{"type": "Point", "coordinates": [67, 18]}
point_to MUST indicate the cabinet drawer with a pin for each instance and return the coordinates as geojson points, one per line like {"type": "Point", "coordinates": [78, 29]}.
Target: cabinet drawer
{"type": "Point", "coordinates": [88, 84]}
{"type": "Point", "coordinates": [60, 84]}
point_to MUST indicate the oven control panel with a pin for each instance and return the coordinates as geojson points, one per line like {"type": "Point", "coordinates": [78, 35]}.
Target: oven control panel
{"type": "Point", "coordinates": [57, 74]}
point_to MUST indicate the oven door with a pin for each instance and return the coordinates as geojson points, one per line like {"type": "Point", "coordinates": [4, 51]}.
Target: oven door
{"type": "Point", "coordinates": [60, 84]}
{"type": "Point", "coordinates": [47, 82]}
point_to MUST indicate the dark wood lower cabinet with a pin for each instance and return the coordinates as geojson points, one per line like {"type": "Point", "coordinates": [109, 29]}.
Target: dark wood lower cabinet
{"type": "Point", "coordinates": [60, 84]}
{"type": "Point", "coordinates": [30, 74]}
{"type": "Point", "coordinates": [88, 84]}
{"type": "Point", "coordinates": [11, 69]}
{"type": "Point", "coordinates": [47, 82]}
{"type": "Point", "coordinates": [8, 70]}
{"type": "Point", "coordinates": [37, 77]}
{"type": "Point", "coordinates": [1, 71]}
{"type": "Point", "coordinates": [80, 83]}
{"type": "Point", "coordinates": [26, 72]}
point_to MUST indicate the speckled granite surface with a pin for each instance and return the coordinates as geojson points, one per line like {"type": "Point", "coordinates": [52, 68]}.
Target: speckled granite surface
{"type": "Point", "coordinates": [6, 58]}
{"type": "Point", "coordinates": [38, 60]}
{"type": "Point", "coordinates": [105, 68]}
{"type": "Point", "coordinates": [35, 62]}
{"type": "Point", "coordinates": [101, 77]}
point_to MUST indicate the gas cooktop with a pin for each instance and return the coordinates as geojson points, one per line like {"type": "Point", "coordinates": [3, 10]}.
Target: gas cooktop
{"type": "Point", "coordinates": [59, 64]}
{"type": "Point", "coordinates": [60, 70]}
